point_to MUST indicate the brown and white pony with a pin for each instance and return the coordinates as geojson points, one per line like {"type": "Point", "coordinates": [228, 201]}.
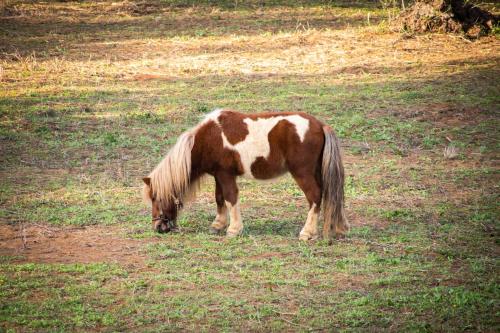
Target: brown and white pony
{"type": "Point", "coordinates": [227, 144]}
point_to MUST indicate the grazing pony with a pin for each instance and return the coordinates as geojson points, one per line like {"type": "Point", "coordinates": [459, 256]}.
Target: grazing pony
{"type": "Point", "coordinates": [227, 144]}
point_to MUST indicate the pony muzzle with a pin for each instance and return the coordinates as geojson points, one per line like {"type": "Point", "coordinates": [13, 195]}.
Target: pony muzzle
{"type": "Point", "coordinates": [163, 225]}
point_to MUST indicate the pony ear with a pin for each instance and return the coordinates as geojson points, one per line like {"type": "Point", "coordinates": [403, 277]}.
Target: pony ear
{"type": "Point", "coordinates": [147, 181]}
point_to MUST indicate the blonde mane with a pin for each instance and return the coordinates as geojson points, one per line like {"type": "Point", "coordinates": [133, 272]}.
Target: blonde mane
{"type": "Point", "coordinates": [170, 180]}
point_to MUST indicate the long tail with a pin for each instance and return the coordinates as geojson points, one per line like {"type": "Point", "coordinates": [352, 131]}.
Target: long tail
{"type": "Point", "coordinates": [332, 172]}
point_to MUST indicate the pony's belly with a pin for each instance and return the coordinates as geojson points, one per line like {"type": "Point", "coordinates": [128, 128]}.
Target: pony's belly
{"type": "Point", "coordinates": [266, 169]}
{"type": "Point", "coordinates": [267, 179]}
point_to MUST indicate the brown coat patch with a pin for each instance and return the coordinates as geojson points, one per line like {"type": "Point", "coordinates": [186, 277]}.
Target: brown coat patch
{"type": "Point", "coordinates": [233, 126]}
{"type": "Point", "coordinates": [209, 155]}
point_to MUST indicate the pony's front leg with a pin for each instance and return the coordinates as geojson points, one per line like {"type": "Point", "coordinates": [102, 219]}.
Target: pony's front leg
{"type": "Point", "coordinates": [235, 225]}
{"type": "Point", "coordinates": [220, 222]}
{"type": "Point", "coordinates": [230, 193]}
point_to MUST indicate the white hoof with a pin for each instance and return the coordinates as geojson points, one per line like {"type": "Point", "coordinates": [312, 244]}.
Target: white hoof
{"type": "Point", "coordinates": [233, 233]}
{"type": "Point", "coordinates": [307, 237]}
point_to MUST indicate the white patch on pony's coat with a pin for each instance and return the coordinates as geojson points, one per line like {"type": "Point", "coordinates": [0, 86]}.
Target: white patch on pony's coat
{"type": "Point", "coordinates": [256, 143]}
{"type": "Point", "coordinates": [214, 115]}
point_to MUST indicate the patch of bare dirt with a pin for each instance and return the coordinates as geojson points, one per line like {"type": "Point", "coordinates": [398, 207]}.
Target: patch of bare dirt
{"type": "Point", "coordinates": [441, 114]}
{"type": "Point", "coordinates": [47, 244]}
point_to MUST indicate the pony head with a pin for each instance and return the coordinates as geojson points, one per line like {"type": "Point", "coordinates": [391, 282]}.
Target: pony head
{"type": "Point", "coordinates": [163, 212]}
{"type": "Point", "coordinates": [170, 184]}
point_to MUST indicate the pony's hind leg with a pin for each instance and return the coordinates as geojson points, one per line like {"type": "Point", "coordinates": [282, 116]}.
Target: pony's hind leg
{"type": "Point", "coordinates": [230, 193]}
{"type": "Point", "coordinates": [310, 229]}
{"type": "Point", "coordinates": [220, 222]}
{"type": "Point", "coordinates": [312, 190]}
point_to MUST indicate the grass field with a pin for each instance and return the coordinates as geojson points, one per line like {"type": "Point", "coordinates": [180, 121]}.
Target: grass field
{"type": "Point", "coordinates": [94, 93]}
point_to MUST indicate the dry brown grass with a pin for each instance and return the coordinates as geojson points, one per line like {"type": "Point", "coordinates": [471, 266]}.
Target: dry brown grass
{"type": "Point", "coordinates": [127, 53]}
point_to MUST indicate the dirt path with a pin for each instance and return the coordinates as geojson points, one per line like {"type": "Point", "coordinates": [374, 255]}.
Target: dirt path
{"type": "Point", "coordinates": [48, 244]}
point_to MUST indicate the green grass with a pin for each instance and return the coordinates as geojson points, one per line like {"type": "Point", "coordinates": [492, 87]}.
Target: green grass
{"type": "Point", "coordinates": [80, 126]}
{"type": "Point", "coordinates": [35, 303]}
{"type": "Point", "coordinates": [259, 282]}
